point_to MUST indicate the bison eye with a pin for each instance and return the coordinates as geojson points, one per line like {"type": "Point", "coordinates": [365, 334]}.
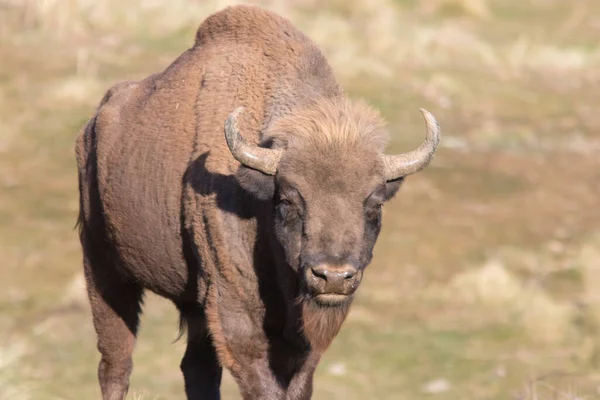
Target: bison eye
{"type": "Point", "coordinates": [284, 208]}
{"type": "Point", "coordinates": [373, 212]}
{"type": "Point", "coordinates": [373, 205]}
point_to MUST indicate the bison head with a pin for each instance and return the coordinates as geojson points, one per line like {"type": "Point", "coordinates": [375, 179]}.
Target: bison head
{"type": "Point", "coordinates": [327, 176]}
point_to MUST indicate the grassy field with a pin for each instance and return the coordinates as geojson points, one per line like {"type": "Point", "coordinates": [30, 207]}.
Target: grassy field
{"type": "Point", "coordinates": [486, 279]}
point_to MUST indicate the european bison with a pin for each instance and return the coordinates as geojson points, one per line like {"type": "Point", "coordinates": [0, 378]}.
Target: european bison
{"type": "Point", "coordinates": [257, 222]}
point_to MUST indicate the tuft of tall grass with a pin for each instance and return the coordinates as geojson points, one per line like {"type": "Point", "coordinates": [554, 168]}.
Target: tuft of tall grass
{"type": "Point", "coordinates": [493, 290]}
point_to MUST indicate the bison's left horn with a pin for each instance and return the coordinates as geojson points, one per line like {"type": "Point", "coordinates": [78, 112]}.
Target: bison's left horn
{"type": "Point", "coordinates": [397, 166]}
{"type": "Point", "coordinates": [252, 156]}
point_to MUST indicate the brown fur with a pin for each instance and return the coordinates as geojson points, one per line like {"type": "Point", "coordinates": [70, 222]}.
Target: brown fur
{"type": "Point", "coordinates": [321, 325]}
{"type": "Point", "coordinates": [333, 123]}
{"type": "Point", "coordinates": [165, 207]}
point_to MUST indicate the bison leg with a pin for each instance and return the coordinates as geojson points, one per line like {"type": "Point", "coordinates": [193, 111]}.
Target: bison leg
{"type": "Point", "coordinates": [301, 385]}
{"type": "Point", "coordinates": [116, 306]}
{"type": "Point", "coordinates": [200, 366]}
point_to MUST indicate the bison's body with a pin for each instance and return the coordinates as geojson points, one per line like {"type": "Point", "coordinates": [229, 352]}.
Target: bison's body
{"type": "Point", "coordinates": [166, 207]}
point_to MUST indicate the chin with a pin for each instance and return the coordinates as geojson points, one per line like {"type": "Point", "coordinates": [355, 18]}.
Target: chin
{"type": "Point", "coordinates": [332, 299]}
{"type": "Point", "coordinates": [322, 317]}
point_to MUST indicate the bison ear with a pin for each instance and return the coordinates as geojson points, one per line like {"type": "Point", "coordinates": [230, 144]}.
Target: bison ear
{"type": "Point", "coordinates": [259, 185]}
{"type": "Point", "coordinates": [391, 187]}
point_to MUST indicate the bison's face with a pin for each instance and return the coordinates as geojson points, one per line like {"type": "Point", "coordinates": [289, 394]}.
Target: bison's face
{"type": "Point", "coordinates": [327, 207]}
{"type": "Point", "coordinates": [327, 177]}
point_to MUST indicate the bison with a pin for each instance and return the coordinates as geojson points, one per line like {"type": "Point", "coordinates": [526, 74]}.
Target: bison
{"type": "Point", "coordinates": [242, 184]}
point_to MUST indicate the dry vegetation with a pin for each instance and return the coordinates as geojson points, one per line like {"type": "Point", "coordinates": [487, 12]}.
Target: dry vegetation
{"type": "Point", "coordinates": [486, 281]}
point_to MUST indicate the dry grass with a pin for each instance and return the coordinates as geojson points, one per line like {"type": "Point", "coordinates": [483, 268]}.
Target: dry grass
{"type": "Point", "coordinates": [589, 262]}
{"type": "Point", "coordinates": [499, 294]}
{"type": "Point", "coordinates": [485, 281]}
{"type": "Point", "coordinates": [359, 36]}
{"type": "Point", "coordinates": [541, 391]}
{"type": "Point", "coordinates": [11, 383]}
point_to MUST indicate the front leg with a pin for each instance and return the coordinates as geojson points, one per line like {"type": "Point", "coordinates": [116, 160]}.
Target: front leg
{"type": "Point", "coordinates": [301, 385]}
{"type": "Point", "coordinates": [256, 381]}
{"type": "Point", "coordinates": [200, 367]}
{"type": "Point", "coordinates": [243, 348]}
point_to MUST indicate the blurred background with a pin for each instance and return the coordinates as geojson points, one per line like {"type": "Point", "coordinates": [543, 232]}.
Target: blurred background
{"type": "Point", "coordinates": [486, 278]}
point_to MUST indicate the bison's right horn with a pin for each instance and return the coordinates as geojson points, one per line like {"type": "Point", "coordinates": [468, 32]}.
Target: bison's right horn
{"type": "Point", "coordinates": [252, 156]}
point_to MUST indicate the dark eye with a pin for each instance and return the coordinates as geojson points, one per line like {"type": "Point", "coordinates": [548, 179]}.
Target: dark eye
{"type": "Point", "coordinates": [373, 206]}
{"type": "Point", "coordinates": [373, 211]}
{"type": "Point", "coordinates": [290, 204]}
{"type": "Point", "coordinates": [284, 207]}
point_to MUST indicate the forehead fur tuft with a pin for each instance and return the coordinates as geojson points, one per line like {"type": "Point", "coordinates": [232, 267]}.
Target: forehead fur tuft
{"type": "Point", "coordinates": [332, 122]}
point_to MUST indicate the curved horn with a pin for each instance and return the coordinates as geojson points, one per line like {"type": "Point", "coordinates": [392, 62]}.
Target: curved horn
{"type": "Point", "coordinates": [397, 166]}
{"type": "Point", "coordinates": [255, 157]}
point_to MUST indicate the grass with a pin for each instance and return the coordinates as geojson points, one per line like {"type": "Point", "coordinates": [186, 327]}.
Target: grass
{"type": "Point", "coordinates": [485, 280]}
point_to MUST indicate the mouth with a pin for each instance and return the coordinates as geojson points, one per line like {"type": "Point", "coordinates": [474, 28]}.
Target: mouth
{"type": "Point", "coordinates": [332, 299]}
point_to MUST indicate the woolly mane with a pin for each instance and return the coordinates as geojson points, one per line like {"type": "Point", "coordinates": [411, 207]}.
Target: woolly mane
{"type": "Point", "coordinates": [332, 123]}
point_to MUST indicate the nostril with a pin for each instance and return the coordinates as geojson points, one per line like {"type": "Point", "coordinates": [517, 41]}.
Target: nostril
{"type": "Point", "coordinates": [349, 274]}
{"type": "Point", "coordinates": [319, 273]}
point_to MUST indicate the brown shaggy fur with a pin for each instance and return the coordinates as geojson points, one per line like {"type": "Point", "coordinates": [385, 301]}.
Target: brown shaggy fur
{"type": "Point", "coordinates": [328, 123]}
{"type": "Point", "coordinates": [321, 325]}
{"type": "Point", "coordinates": [165, 207]}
